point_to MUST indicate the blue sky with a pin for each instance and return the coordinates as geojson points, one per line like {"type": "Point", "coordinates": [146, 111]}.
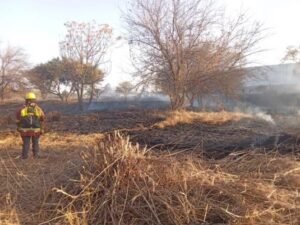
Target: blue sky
{"type": "Point", "coordinates": [37, 26]}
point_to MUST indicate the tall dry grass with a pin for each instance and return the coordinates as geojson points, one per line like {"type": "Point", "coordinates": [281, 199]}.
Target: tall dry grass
{"type": "Point", "coordinates": [25, 184]}
{"type": "Point", "coordinates": [121, 183]}
{"type": "Point", "coordinates": [116, 182]}
{"type": "Point", "coordinates": [187, 117]}
{"type": "Point", "coordinates": [9, 215]}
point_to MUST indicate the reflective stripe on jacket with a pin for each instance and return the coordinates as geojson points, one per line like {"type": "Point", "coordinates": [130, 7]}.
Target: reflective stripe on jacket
{"type": "Point", "coordinates": [29, 120]}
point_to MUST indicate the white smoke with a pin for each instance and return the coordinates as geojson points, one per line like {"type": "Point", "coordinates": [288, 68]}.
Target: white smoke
{"type": "Point", "coordinates": [256, 112]}
{"type": "Point", "coordinates": [265, 116]}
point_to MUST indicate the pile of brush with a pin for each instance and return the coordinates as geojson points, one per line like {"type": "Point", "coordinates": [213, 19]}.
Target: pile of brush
{"type": "Point", "coordinates": [121, 183]}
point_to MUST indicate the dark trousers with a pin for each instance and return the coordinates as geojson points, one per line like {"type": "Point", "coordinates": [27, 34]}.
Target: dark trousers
{"type": "Point", "coordinates": [26, 146]}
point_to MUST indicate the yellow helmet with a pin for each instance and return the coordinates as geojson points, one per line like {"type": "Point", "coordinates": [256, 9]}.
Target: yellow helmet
{"type": "Point", "coordinates": [30, 96]}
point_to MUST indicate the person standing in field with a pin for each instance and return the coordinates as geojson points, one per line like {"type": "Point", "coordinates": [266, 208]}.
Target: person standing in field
{"type": "Point", "coordinates": [30, 122]}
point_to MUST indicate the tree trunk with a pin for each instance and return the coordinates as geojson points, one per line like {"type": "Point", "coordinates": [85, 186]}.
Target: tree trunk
{"type": "Point", "coordinates": [177, 101]}
{"type": "Point", "coordinates": [3, 87]}
{"type": "Point", "coordinates": [92, 94]}
{"type": "Point", "coordinates": [61, 97]}
{"type": "Point", "coordinates": [67, 99]}
{"type": "Point", "coordinates": [2, 95]}
{"type": "Point", "coordinates": [69, 94]}
{"type": "Point", "coordinates": [80, 103]}
{"type": "Point", "coordinates": [191, 99]}
{"type": "Point", "coordinates": [79, 98]}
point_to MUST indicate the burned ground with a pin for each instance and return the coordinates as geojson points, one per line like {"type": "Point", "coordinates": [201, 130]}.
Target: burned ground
{"type": "Point", "coordinates": [242, 148]}
{"type": "Point", "coordinates": [213, 139]}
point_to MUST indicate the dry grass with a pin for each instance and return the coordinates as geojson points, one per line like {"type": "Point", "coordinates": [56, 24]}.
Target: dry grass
{"type": "Point", "coordinates": [97, 178]}
{"type": "Point", "coordinates": [187, 117]}
{"type": "Point", "coordinates": [9, 215]}
{"type": "Point", "coordinates": [123, 184]}
{"type": "Point", "coordinates": [25, 184]}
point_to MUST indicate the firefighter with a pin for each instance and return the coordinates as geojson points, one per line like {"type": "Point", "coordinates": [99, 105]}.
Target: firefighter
{"type": "Point", "coordinates": [30, 122]}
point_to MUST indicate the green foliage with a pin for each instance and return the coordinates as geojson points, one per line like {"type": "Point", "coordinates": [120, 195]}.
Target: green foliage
{"type": "Point", "coordinates": [61, 76]}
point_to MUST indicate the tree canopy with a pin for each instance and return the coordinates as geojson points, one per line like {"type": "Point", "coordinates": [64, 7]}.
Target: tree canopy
{"type": "Point", "coordinates": [86, 47]}
{"type": "Point", "coordinates": [190, 47]}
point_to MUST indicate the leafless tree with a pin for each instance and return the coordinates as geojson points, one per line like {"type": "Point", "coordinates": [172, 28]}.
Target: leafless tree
{"type": "Point", "coordinates": [12, 65]}
{"type": "Point", "coordinates": [87, 46]}
{"type": "Point", "coordinates": [292, 54]}
{"type": "Point", "coordinates": [125, 88]}
{"type": "Point", "coordinates": [185, 47]}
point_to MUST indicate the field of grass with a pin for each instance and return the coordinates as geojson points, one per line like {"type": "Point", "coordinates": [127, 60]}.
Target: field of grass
{"type": "Point", "coordinates": [150, 167]}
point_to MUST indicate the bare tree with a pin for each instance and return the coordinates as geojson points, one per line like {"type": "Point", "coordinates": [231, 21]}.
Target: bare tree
{"type": "Point", "coordinates": [86, 45]}
{"type": "Point", "coordinates": [12, 65]}
{"type": "Point", "coordinates": [184, 46]}
{"type": "Point", "coordinates": [125, 88]}
{"type": "Point", "coordinates": [292, 54]}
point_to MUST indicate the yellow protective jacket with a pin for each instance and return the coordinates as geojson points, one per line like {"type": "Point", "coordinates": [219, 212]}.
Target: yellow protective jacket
{"type": "Point", "coordinates": [30, 119]}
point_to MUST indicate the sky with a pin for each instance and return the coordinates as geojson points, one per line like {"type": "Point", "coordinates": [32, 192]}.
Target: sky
{"type": "Point", "coordinates": [38, 25]}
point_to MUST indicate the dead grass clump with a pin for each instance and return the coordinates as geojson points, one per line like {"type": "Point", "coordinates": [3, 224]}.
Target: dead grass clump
{"type": "Point", "coordinates": [53, 116]}
{"type": "Point", "coordinates": [187, 117]}
{"type": "Point", "coordinates": [279, 170]}
{"type": "Point", "coordinates": [69, 140]}
{"type": "Point", "coordinates": [121, 183]}
{"type": "Point", "coordinates": [9, 217]}
{"type": "Point", "coordinates": [25, 184]}
{"type": "Point", "coordinates": [8, 214]}
{"type": "Point", "coordinates": [9, 140]}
